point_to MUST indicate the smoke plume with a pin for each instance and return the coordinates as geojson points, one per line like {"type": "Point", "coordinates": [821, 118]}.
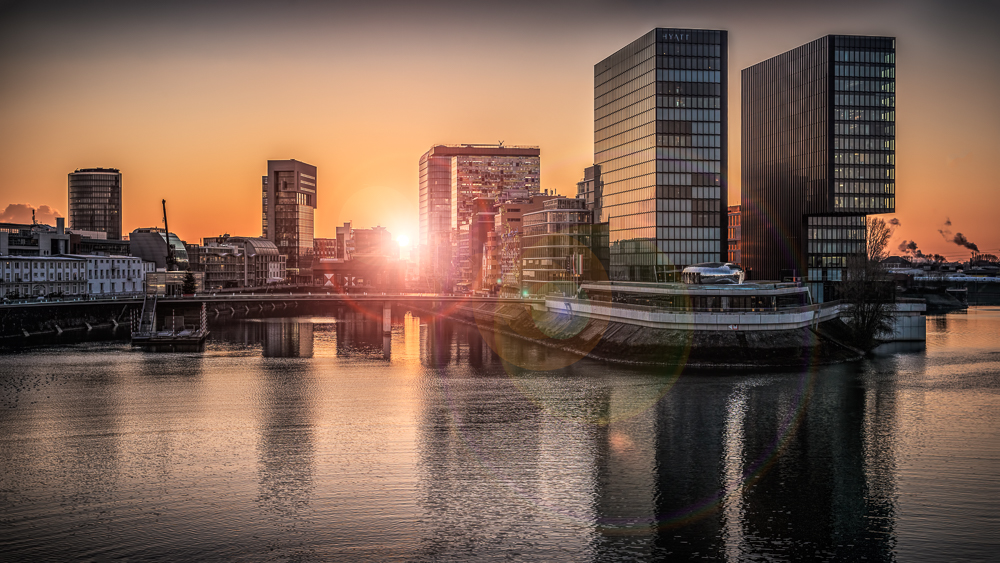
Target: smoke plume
{"type": "Point", "coordinates": [960, 240]}
{"type": "Point", "coordinates": [21, 213]}
{"type": "Point", "coordinates": [894, 222]}
{"type": "Point", "coordinates": [909, 247]}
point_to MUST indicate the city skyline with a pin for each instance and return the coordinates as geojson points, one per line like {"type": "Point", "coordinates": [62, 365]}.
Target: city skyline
{"type": "Point", "coordinates": [176, 94]}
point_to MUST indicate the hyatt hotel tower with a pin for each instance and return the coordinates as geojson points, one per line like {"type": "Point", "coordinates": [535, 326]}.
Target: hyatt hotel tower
{"type": "Point", "coordinates": [660, 138]}
{"type": "Point", "coordinates": [818, 157]}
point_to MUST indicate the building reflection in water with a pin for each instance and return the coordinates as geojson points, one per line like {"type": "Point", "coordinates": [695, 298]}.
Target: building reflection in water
{"type": "Point", "coordinates": [712, 466]}
{"type": "Point", "coordinates": [288, 339]}
{"type": "Point", "coordinates": [286, 448]}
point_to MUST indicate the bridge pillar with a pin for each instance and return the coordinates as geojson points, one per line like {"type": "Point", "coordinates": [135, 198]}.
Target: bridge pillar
{"type": "Point", "coordinates": [386, 318]}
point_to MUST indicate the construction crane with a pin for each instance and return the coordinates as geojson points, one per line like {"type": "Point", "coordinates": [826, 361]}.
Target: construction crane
{"type": "Point", "coordinates": [171, 261]}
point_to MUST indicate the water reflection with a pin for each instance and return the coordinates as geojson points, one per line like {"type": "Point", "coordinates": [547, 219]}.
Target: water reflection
{"type": "Point", "coordinates": [310, 438]}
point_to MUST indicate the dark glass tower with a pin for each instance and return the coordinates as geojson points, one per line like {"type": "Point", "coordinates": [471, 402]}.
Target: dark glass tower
{"type": "Point", "coordinates": [660, 120]}
{"type": "Point", "coordinates": [818, 157]}
{"type": "Point", "coordinates": [95, 201]}
{"type": "Point", "coordinates": [289, 203]}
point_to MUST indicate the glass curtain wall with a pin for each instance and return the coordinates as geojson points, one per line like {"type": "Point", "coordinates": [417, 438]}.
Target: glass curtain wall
{"type": "Point", "coordinates": [660, 139]}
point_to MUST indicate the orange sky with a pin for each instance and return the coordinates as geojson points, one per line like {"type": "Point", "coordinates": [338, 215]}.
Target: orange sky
{"type": "Point", "coordinates": [191, 102]}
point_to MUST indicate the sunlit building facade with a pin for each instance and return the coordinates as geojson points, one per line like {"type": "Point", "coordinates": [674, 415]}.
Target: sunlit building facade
{"type": "Point", "coordinates": [660, 122]}
{"type": "Point", "coordinates": [289, 204]}
{"type": "Point", "coordinates": [818, 157]}
{"type": "Point", "coordinates": [452, 177]}
{"type": "Point", "coordinates": [95, 201]}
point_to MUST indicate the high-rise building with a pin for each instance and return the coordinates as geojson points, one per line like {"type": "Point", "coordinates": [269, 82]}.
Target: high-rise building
{"type": "Point", "coordinates": [660, 120]}
{"type": "Point", "coordinates": [289, 204]}
{"type": "Point", "coordinates": [818, 156]}
{"type": "Point", "coordinates": [95, 201]}
{"type": "Point", "coordinates": [452, 177]}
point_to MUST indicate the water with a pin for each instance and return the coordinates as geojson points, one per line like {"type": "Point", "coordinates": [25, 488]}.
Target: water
{"type": "Point", "coordinates": [316, 439]}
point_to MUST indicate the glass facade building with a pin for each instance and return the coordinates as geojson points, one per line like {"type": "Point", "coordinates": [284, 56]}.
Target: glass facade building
{"type": "Point", "coordinates": [95, 201]}
{"type": "Point", "coordinates": [818, 156]}
{"type": "Point", "coordinates": [660, 140]}
{"type": "Point", "coordinates": [289, 204]}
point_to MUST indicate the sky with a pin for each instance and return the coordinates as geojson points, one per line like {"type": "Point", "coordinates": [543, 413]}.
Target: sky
{"type": "Point", "coordinates": [190, 99]}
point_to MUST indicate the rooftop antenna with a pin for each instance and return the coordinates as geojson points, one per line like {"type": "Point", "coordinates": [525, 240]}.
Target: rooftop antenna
{"type": "Point", "coordinates": [33, 222]}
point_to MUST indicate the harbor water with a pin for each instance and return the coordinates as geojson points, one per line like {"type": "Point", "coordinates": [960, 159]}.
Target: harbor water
{"type": "Point", "coordinates": [318, 439]}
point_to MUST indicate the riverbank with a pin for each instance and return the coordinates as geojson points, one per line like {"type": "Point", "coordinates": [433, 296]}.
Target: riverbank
{"type": "Point", "coordinates": [621, 343]}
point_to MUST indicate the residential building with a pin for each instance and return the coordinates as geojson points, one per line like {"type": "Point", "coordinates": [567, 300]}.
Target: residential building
{"type": "Point", "coordinates": [509, 228]}
{"type": "Point", "coordinates": [325, 247]}
{"type": "Point", "coordinates": [452, 177]}
{"type": "Point", "coordinates": [37, 276]}
{"type": "Point", "coordinates": [557, 253]}
{"type": "Point", "coordinates": [108, 276]}
{"type": "Point", "coordinates": [150, 244]}
{"type": "Point", "coordinates": [660, 140]}
{"type": "Point", "coordinates": [95, 201]}
{"type": "Point", "coordinates": [224, 265]}
{"type": "Point", "coordinates": [289, 204]}
{"type": "Point", "coordinates": [263, 264]}
{"type": "Point", "coordinates": [17, 239]}
{"type": "Point", "coordinates": [733, 230]}
{"type": "Point", "coordinates": [818, 157]}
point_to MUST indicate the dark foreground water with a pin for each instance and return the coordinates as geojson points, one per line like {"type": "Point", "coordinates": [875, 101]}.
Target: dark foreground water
{"type": "Point", "coordinates": [316, 439]}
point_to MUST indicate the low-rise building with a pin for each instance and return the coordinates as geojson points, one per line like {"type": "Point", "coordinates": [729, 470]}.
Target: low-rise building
{"type": "Point", "coordinates": [35, 276]}
{"type": "Point", "coordinates": [733, 234]}
{"type": "Point", "coordinates": [113, 275]}
{"type": "Point", "coordinates": [18, 239]}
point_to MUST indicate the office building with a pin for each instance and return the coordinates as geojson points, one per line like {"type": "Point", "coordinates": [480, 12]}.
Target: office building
{"type": "Point", "coordinates": [95, 201]}
{"type": "Point", "coordinates": [660, 121]}
{"type": "Point", "coordinates": [508, 224]}
{"type": "Point", "coordinates": [289, 203]}
{"type": "Point", "coordinates": [733, 234]}
{"type": "Point", "coordinates": [818, 157]}
{"type": "Point", "coordinates": [452, 177]}
{"type": "Point", "coordinates": [557, 248]}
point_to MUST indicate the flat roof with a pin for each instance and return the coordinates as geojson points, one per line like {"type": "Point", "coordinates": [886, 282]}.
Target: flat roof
{"type": "Point", "coordinates": [649, 288]}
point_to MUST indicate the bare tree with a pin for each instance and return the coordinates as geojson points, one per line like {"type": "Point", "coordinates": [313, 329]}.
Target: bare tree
{"type": "Point", "coordinates": [868, 290]}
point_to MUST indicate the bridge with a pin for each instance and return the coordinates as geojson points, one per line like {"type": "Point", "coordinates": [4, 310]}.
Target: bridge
{"type": "Point", "coordinates": [56, 315]}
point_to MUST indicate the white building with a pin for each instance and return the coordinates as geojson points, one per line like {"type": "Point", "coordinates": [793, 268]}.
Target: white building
{"type": "Point", "coordinates": [114, 275]}
{"type": "Point", "coordinates": [32, 276]}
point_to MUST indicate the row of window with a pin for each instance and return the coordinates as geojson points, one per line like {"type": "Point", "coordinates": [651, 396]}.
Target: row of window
{"type": "Point", "coordinates": [690, 63]}
{"type": "Point", "coordinates": [855, 143]}
{"type": "Point", "coordinates": [836, 247]}
{"type": "Point", "coordinates": [864, 57]}
{"type": "Point", "coordinates": [689, 49]}
{"type": "Point", "coordinates": [816, 274]}
{"type": "Point", "coordinates": [637, 71]}
{"type": "Point", "coordinates": [706, 166]}
{"type": "Point", "coordinates": [880, 100]}
{"type": "Point", "coordinates": [864, 172]}
{"type": "Point", "coordinates": [679, 153]}
{"type": "Point", "coordinates": [864, 188]}
{"type": "Point", "coordinates": [669, 75]}
{"type": "Point", "coordinates": [684, 233]}
{"type": "Point", "coordinates": [875, 204]}
{"type": "Point", "coordinates": [623, 114]}
{"type": "Point", "coordinates": [679, 114]}
{"type": "Point", "coordinates": [833, 233]}
{"type": "Point", "coordinates": [882, 86]}
{"type": "Point", "coordinates": [836, 221]}
{"type": "Point", "coordinates": [690, 219]}
{"type": "Point", "coordinates": [689, 140]}
{"type": "Point", "coordinates": [864, 158]}
{"type": "Point", "coordinates": [685, 180]}
{"type": "Point", "coordinates": [699, 102]}
{"type": "Point", "coordinates": [688, 246]}
{"type": "Point", "coordinates": [859, 71]}
{"type": "Point", "coordinates": [876, 129]}
{"type": "Point", "coordinates": [845, 114]}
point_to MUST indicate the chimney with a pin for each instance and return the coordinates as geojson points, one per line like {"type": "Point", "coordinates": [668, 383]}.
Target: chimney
{"type": "Point", "coordinates": [61, 225]}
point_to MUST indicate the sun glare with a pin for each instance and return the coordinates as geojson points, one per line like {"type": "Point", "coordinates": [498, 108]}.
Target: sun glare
{"type": "Point", "coordinates": [403, 240]}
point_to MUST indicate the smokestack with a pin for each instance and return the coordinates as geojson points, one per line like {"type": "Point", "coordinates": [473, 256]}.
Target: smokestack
{"type": "Point", "coordinates": [61, 225]}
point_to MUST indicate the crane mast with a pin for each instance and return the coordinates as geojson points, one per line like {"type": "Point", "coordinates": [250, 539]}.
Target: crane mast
{"type": "Point", "coordinates": [171, 261]}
